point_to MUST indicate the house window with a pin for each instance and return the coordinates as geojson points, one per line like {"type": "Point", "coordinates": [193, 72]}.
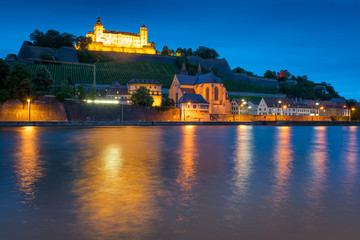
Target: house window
{"type": "Point", "coordinates": [194, 106]}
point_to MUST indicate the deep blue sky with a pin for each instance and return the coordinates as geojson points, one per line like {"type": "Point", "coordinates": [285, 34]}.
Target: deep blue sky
{"type": "Point", "coordinates": [315, 38]}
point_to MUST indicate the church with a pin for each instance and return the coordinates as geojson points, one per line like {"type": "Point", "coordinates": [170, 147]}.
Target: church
{"type": "Point", "coordinates": [210, 87]}
{"type": "Point", "coordinates": [116, 41]}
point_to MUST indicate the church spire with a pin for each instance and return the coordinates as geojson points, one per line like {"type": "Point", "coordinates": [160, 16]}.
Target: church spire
{"type": "Point", "coordinates": [199, 71]}
{"type": "Point", "coordinates": [183, 70]}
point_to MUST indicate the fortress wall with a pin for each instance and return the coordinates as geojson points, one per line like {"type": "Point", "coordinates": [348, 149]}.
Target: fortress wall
{"type": "Point", "coordinates": [250, 118]}
{"type": "Point", "coordinates": [44, 109]}
{"type": "Point", "coordinates": [107, 112]}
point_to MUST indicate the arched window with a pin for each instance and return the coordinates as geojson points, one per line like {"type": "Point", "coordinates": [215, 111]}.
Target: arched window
{"type": "Point", "coordinates": [207, 94]}
{"type": "Point", "coordinates": [216, 93]}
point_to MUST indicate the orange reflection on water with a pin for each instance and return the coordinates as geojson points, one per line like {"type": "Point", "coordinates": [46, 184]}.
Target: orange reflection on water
{"type": "Point", "coordinates": [118, 185]}
{"type": "Point", "coordinates": [319, 159]}
{"type": "Point", "coordinates": [351, 158]}
{"type": "Point", "coordinates": [28, 167]}
{"type": "Point", "coordinates": [283, 160]}
{"type": "Point", "coordinates": [243, 159]}
{"type": "Point", "coordinates": [187, 170]}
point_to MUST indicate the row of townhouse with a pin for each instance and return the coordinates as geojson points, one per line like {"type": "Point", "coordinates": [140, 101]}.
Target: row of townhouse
{"type": "Point", "coordinates": [287, 106]}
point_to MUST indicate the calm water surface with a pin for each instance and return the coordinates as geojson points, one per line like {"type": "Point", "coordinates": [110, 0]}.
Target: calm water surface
{"type": "Point", "coordinates": [190, 182]}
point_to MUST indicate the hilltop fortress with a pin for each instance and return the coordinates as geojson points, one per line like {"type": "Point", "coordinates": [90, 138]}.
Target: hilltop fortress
{"type": "Point", "coordinates": [115, 41]}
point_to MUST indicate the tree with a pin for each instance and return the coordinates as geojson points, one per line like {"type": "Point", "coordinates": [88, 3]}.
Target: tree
{"type": "Point", "coordinates": [167, 52]}
{"type": "Point", "coordinates": [4, 95]}
{"type": "Point", "coordinates": [168, 102]}
{"type": "Point", "coordinates": [19, 82]}
{"type": "Point", "coordinates": [4, 71]}
{"type": "Point", "coordinates": [92, 94]}
{"type": "Point", "coordinates": [52, 39]}
{"type": "Point", "coordinates": [351, 103]}
{"type": "Point", "coordinates": [42, 80]}
{"type": "Point", "coordinates": [283, 75]}
{"type": "Point", "coordinates": [189, 52]}
{"type": "Point", "coordinates": [270, 74]}
{"type": "Point", "coordinates": [81, 93]}
{"type": "Point", "coordinates": [83, 42]}
{"type": "Point", "coordinates": [205, 52]}
{"type": "Point", "coordinates": [241, 70]}
{"type": "Point", "coordinates": [142, 97]}
{"type": "Point", "coordinates": [67, 91]}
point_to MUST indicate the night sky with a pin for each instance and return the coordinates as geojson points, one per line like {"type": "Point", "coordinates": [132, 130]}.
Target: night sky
{"type": "Point", "coordinates": [319, 39]}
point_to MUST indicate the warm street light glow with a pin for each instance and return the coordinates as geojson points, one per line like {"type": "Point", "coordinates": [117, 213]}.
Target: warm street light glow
{"type": "Point", "coordinates": [241, 105]}
{"type": "Point", "coordinates": [279, 101]}
{"type": "Point", "coordinates": [321, 108]}
{"type": "Point", "coordinates": [28, 101]}
{"type": "Point", "coordinates": [189, 103]}
{"type": "Point", "coordinates": [353, 109]}
{"type": "Point", "coordinates": [284, 107]}
{"type": "Point", "coordinates": [104, 101]}
{"type": "Point", "coordinates": [317, 104]}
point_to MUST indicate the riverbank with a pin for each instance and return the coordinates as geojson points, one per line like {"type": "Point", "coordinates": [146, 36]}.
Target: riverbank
{"type": "Point", "coordinates": [169, 123]}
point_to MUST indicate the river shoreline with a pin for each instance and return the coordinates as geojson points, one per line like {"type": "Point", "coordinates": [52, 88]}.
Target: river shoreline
{"type": "Point", "coordinates": [153, 123]}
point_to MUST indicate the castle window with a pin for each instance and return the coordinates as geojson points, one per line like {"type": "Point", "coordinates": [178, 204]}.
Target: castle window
{"type": "Point", "coordinates": [216, 93]}
{"type": "Point", "coordinates": [207, 94]}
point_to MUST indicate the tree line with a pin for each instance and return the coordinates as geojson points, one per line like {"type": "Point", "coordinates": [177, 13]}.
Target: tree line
{"type": "Point", "coordinates": [203, 52]}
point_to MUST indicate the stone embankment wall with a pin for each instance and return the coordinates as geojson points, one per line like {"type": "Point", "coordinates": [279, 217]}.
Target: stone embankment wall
{"type": "Point", "coordinates": [107, 112]}
{"type": "Point", "coordinates": [43, 109]}
{"type": "Point", "coordinates": [251, 118]}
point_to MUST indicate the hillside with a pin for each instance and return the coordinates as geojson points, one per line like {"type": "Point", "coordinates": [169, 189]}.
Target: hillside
{"type": "Point", "coordinates": [109, 72]}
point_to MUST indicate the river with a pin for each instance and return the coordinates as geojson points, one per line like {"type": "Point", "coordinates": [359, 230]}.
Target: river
{"type": "Point", "coordinates": [181, 182]}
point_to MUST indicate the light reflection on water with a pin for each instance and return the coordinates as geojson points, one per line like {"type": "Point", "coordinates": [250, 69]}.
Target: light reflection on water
{"type": "Point", "coordinates": [283, 158]}
{"type": "Point", "coordinates": [185, 182]}
{"type": "Point", "coordinates": [351, 153]}
{"type": "Point", "coordinates": [186, 175]}
{"type": "Point", "coordinates": [318, 162]}
{"type": "Point", "coordinates": [116, 189]}
{"type": "Point", "coordinates": [28, 167]}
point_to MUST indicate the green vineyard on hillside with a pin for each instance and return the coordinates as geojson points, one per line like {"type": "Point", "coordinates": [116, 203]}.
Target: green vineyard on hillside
{"type": "Point", "coordinates": [109, 72]}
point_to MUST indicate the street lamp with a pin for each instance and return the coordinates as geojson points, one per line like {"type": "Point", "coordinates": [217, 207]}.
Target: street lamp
{"type": "Point", "coordinates": [282, 110]}
{"type": "Point", "coordinates": [187, 106]}
{"type": "Point", "coordinates": [320, 109]}
{"type": "Point", "coordinates": [241, 105]}
{"type": "Point", "coordinates": [28, 101]}
{"type": "Point", "coordinates": [352, 109]}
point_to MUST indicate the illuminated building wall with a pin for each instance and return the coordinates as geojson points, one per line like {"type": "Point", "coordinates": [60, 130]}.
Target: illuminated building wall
{"type": "Point", "coordinates": [152, 85]}
{"type": "Point", "coordinates": [116, 41]}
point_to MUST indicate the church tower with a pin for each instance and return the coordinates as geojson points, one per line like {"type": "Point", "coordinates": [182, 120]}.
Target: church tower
{"type": "Point", "coordinates": [143, 35]}
{"type": "Point", "coordinates": [98, 31]}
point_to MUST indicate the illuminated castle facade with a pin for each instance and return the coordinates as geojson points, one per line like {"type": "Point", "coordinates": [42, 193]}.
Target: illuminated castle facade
{"type": "Point", "coordinates": [115, 41]}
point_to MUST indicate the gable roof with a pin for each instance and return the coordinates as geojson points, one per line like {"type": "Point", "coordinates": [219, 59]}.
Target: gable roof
{"type": "Point", "coordinates": [186, 79]}
{"type": "Point", "coordinates": [200, 79]}
{"type": "Point", "coordinates": [208, 78]}
{"type": "Point", "coordinates": [144, 81]}
{"type": "Point", "coordinates": [192, 98]}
